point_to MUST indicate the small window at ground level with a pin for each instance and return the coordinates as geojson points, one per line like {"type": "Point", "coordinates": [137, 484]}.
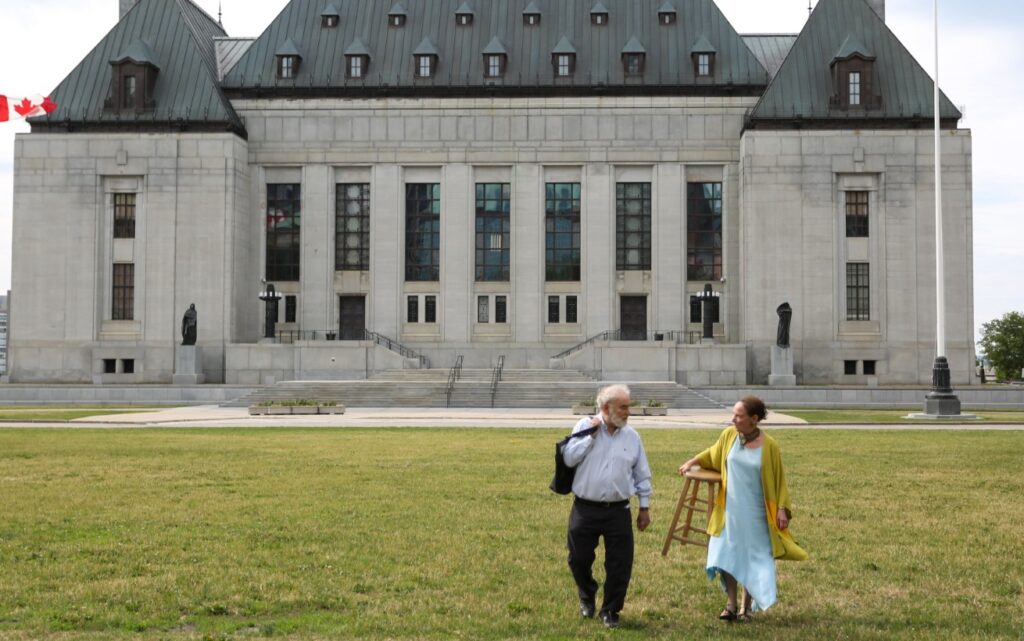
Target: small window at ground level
{"type": "Point", "coordinates": [109, 365]}
{"type": "Point", "coordinates": [869, 368]}
{"type": "Point", "coordinates": [128, 366]}
{"type": "Point", "coordinates": [849, 368]}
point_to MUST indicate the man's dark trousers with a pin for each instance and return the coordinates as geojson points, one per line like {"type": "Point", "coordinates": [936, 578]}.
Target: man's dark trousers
{"type": "Point", "coordinates": [587, 523]}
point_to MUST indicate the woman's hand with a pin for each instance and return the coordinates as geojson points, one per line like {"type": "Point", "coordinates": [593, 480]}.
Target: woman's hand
{"type": "Point", "coordinates": [782, 519]}
{"type": "Point", "coordinates": [685, 467]}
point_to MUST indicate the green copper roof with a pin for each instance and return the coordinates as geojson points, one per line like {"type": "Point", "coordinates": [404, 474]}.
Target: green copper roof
{"type": "Point", "coordinates": [565, 25]}
{"type": "Point", "coordinates": [175, 36]}
{"type": "Point", "coordinates": [852, 46]}
{"type": "Point", "coordinates": [800, 91]}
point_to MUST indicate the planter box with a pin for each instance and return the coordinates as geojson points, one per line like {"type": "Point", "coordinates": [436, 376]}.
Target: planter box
{"type": "Point", "coordinates": [257, 409]}
{"type": "Point", "coordinates": [584, 410]}
{"type": "Point", "coordinates": [303, 409]}
{"type": "Point", "coordinates": [655, 411]}
{"type": "Point", "coordinates": [331, 409]}
{"type": "Point", "coordinates": [278, 410]}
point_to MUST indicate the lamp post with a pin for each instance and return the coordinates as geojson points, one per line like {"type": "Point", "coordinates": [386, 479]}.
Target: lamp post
{"type": "Point", "coordinates": [705, 297]}
{"type": "Point", "coordinates": [271, 298]}
{"type": "Point", "coordinates": [941, 401]}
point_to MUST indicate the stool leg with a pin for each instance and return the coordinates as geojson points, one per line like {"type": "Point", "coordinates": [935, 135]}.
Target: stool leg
{"type": "Point", "coordinates": [691, 503]}
{"type": "Point", "coordinates": [675, 517]}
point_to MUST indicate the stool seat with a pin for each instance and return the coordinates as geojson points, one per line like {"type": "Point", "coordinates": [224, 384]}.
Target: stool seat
{"type": "Point", "coordinates": [699, 489]}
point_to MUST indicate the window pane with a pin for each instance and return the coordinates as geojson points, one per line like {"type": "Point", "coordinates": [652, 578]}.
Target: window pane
{"type": "Point", "coordinates": [856, 214]}
{"type": "Point", "coordinates": [430, 309]}
{"type": "Point", "coordinates": [704, 240]}
{"type": "Point", "coordinates": [570, 309]}
{"type": "Point", "coordinates": [124, 215]}
{"type": "Point", "coordinates": [492, 231]}
{"type": "Point", "coordinates": [482, 308]}
{"type": "Point", "coordinates": [633, 225]}
{"type": "Point", "coordinates": [858, 289]}
{"type": "Point", "coordinates": [123, 307]}
{"type": "Point", "coordinates": [553, 309]}
{"type": "Point", "coordinates": [283, 231]}
{"type": "Point", "coordinates": [422, 231]}
{"type": "Point", "coordinates": [413, 309]}
{"type": "Point", "coordinates": [562, 235]}
{"type": "Point", "coordinates": [500, 309]}
{"type": "Point", "coordinates": [352, 226]}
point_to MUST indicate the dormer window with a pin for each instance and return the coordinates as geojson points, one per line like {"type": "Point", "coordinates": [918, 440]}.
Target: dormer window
{"type": "Point", "coordinates": [633, 64]}
{"type": "Point", "coordinates": [328, 22]}
{"type": "Point", "coordinates": [396, 16]}
{"type": "Point", "coordinates": [494, 65]}
{"type": "Point", "coordinates": [852, 69]}
{"type": "Point", "coordinates": [495, 59]}
{"type": "Point", "coordinates": [667, 14]}
{"type": "Point", "coordinates": [599, 15]}
{"type": "Point", "coordinates": [288, 60]}
{"type": "Point", "coordinates": [425, 58]}
{"type": "Point", "coordinates": [357, 65]}
{"type": "Point", "coordinates": [531, 15]}
{"type": "Point", "coordinates": [287, 66]}
{"type": "Point", "coordinates": [133, 79]}
{"type": "Point", "coordinates": [464, 15]}
{"type": "Point", "coordinates": [357, 59]}
{"type": "Point", "coordinates": [703, 56]}
{"type": "Point", "coordinates": [565, 64]}
{"type": "Point", "coordinates": [425, 66]}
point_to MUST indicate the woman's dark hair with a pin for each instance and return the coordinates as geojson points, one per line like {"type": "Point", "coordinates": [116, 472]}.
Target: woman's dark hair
{"type": "Point", "coordinates": [755, 407]}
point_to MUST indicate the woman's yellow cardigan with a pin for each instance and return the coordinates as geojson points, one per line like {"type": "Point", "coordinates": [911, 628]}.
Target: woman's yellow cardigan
{"type": "Point", "coordinates": [773, 482]}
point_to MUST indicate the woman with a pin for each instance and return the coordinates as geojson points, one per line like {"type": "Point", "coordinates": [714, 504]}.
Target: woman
{"type": "Point", "coordinates": [749, 526]}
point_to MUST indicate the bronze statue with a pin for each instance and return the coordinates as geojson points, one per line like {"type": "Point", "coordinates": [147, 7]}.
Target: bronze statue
{"type": "Point", "coordinates": [785, 313]}
{"type": "Point", "coordinates": [189, 326]}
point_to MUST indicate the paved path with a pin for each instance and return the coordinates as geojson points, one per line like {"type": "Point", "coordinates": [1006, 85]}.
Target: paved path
{"type": "Point", "coordinates": [215, 416]}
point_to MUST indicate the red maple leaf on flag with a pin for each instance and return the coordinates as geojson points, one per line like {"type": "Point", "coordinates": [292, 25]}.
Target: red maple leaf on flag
{"type": "Point", "coordinates": [48, 105]}
{"type": "Point", "coordinates": [24, 107]}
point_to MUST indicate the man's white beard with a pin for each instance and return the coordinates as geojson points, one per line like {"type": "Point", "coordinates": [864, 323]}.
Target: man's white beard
{"type": "Point", "coordinates": [617, 420]}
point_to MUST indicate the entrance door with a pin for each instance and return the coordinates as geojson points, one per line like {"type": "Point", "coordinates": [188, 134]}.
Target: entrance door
{"type": "Point", "coordinates": [353, 317]}
{"type": "Point", "coordinates": [633, 318]}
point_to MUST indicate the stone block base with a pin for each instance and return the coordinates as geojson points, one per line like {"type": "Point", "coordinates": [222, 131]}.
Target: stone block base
{"type": "Point", "coordinates": [782, 380]}
{"type": "Point", "coordinates": [188, 365]}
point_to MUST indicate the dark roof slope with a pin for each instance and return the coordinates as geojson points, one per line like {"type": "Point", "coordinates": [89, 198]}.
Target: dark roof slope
{"type": "Point", "coordinates": [598, 67]}
{"type": "Point", "coordinates": [770, 49]}
{"type": "Point", "coordinates": [180, 36]}
{"type": "Point", "coordinates": [799, 93]}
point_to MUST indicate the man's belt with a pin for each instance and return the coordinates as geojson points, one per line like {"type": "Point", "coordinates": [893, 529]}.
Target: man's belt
{"type": "Point", "coordinates": [583, 501]}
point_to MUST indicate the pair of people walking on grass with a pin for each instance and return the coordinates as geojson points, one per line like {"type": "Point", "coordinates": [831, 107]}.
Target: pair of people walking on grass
{"type": "Point", "coordinates": [749, 525]}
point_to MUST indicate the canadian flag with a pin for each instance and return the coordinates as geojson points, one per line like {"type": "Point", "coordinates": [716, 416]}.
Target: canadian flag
{"type": "Point", "coordinates": [26, 107]}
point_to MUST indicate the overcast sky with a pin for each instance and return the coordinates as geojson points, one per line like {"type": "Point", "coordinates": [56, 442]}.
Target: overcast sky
{"type": "Point", "coordinates": [982, 52]}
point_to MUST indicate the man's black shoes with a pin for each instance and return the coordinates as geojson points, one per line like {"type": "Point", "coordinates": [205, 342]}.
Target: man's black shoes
{"type": "Point", "coordinates": [609, 619]}
{"type": "Point", "coordinates": [586, 610]}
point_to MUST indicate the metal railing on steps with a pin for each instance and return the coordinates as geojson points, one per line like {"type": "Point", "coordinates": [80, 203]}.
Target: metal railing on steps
{"type": "Point", "coordinates": [496, 377]}
{"type": "Point", "coordinates": [657, 335]}
{"type": "Point", "coordinates": [453, 375]}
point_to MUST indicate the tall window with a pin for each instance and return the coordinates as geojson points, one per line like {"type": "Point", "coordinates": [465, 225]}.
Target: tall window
{"type": "Point", "coordinates": [124, 215]}
{"type": "Point", "coordinates": [563, 64]}
{"type": "Point", "coordinates": [632, 226]}
{"type": "Point", "coordinates": [291, 305]}
{"type": "Point", "coordinates": [854, 88]}
{"type": "Point", "coordinates": [425, 66]}
{"type": "Point", "coordinates": [492, 231]}
{"type": "Point", "coordinates": [562, 231]}
{"type": "Point", "coordinates": [287, 66]}
{"type": "Point", "coordinates": [355, 67]}
{"type": "Point", "coordinates": [123, 307]}
{"type": "Point", "coordinates": [430, 309]}
{"type": "Point", "coordinates": [493, 66]}
{"type": "Point", "coordinates": [703, 64]}
{"type": "Point", "coordinates": [128, 93]}
{"type": "Point", "coordinates": [696, 315]}
{"type": "Point", "coordinates": [283, 231]}
{"type": "Point", "coordinates": [413, 309]}
{"type": "Point", "coordinates": [570, 309]}
{"type": "Point", "coordinates": [856, 214]}
{"type": "Point", "coordinates": [352, 227]}
{"type": "Point", "coordinates": [553, 309]}
{"type": "Point", "coordinates": [703, 231]}
{"type": "Point", "coordinates": [423, 232]}
{"type": "Point", "coordinates": [482, 306]}
{"type": "Point", "coordinates": [858, 291]}
{"type": "Point", "coordinates": [500, 309]}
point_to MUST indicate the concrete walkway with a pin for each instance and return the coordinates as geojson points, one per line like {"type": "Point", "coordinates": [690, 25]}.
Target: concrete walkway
{"type": "Point", "coordinates": [216, 416]}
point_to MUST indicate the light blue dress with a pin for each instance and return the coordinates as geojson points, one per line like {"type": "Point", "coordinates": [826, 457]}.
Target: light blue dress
{"type": "Point", "coordinates": [743, 548]}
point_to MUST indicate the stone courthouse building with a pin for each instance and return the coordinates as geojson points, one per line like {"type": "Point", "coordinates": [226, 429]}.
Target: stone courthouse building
{"type": "Point", "coordinates": [552, 181]}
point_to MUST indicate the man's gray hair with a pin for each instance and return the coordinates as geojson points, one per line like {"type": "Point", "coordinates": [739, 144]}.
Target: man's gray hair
{"type": "Point", "coordinates": [610, 392]}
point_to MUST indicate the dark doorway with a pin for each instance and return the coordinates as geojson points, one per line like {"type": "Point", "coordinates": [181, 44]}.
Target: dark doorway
{"type": "Point", "coordinates": [353, 317]}
{"type": "Point", "coordinates": [633, 318]}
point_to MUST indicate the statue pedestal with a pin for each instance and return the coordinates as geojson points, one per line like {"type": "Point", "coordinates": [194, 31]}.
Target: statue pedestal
{"type": "Point", "coordinates": [782, 367]}
{"type": "Point", "coordinates": [188, 365]}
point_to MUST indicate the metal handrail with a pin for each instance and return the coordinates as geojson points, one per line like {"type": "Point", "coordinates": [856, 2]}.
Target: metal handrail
{"type": "Point", "coordinates": [453, 375]}
{"type": "Point", "coordinates": [496, 377]}
{"type": "Point", "coordinates": [294, 335]}
{"type": "Point", "coordinates": [395, 346]}
{"type": "Point", "coordinates": [626, 335]}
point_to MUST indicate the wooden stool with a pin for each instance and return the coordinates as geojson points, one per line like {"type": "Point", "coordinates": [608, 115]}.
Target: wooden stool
{"type": "Point", "coordinates": [689, 500]}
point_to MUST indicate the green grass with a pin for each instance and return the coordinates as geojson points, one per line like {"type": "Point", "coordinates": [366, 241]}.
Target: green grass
{"type": "Point", "coordinates": [831, 416]}
{"type": "Point", "coordinates": [65, 413]}
{"type": "Point", "coordinates": [453, 534]}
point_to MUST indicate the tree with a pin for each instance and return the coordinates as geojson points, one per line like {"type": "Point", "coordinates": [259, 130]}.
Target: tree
{"type": "Point", "coordinates": [1003, 342]}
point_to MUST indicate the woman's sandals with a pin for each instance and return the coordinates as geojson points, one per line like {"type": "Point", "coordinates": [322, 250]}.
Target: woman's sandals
{"type": "Point", "coordinates": [728, 615]}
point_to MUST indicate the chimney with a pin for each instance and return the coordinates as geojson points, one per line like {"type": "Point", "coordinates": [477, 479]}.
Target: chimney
{"type": "Point", "coordinates": [877, 5]}
{"type": "Point", "coordinates": [125, 5]}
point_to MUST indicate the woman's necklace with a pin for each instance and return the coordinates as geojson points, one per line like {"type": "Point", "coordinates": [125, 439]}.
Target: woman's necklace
{"type": "Point", "coordinates": [750, 437]}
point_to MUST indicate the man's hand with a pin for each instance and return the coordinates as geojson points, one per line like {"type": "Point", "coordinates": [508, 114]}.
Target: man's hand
{"type": "Point", "coordinates": [643, 519]}
{"type": "Point", "coordinates": [594, 422]}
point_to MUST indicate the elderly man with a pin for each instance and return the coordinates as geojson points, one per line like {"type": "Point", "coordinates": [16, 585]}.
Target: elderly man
{"type": "Point", "coordinates": [611, 466]}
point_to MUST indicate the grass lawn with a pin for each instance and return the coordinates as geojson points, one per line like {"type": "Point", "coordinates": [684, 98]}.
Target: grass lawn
{"type": "Point", "coordinates": [453, 534]}
{"type": "Point", "coordinates": [830, 416]}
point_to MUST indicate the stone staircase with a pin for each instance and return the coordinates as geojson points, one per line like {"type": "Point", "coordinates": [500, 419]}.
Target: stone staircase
{"type": "Point", "coordinates": [427, 388]}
